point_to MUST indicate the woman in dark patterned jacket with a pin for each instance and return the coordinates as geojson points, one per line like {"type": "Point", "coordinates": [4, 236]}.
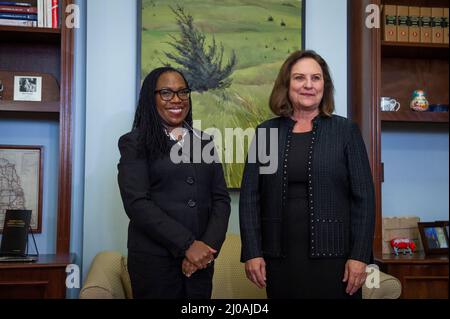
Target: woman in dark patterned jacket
{"type": "Point", "coordinates": [307, 229]}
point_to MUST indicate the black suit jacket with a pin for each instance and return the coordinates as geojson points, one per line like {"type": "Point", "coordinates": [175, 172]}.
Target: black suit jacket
{"type": "Point", "coordinates": [170, 205]}
{"type": "Point", "coordinates": [340, 194]}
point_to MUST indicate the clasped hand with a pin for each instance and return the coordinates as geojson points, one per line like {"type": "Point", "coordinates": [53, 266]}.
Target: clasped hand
{"type": "Point", "coordinates": [198, 256]}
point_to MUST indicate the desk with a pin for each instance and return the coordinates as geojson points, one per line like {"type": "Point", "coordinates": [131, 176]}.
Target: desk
{"type": "Point", "coordinates": [422, 277]}
{"type": "Point", "coordinates": [45, 278]}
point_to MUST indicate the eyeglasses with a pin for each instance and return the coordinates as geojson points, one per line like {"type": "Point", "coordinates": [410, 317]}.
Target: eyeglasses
{"type": "Point", "coordinates": [168, 94]}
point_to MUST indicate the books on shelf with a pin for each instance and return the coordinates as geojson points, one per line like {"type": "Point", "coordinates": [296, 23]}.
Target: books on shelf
{"type": "Point", "coordinates": [445, 25]}
{"type": "Point", "coordinates": [15, 3]}
{"type": "Point", "coordinates": [42, 13]}
{"type": "Point", "coordinates": [415, 24]}
{"type": "Point", "coordinates": [18, 9]}
{"type": "Point", "coordinates": [55, 17]}
{"type": "Point", "coordinates": [437, 16]}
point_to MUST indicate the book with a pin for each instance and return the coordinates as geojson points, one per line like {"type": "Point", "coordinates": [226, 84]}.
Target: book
{"type": "Point", "coordinates": [425, 25]}
{"type": "Point", "coordinates": [11, 3]}
{"type": "Point", "coordinates": [18, 23]}
{"type": "Point", "coordinates": [414, 24]}
{"type": "Point", "coordinates": [15, 232]}
{"type": "Point", "coordinates": [402, 29]}
{"type": "Point", "coordinates": [18, 9]}
{"type": "Point", "coordinates": [390, 23]}
{"type": "Point", "coordinates": [445, 25]}
{"type": "Point", "coordinates": [437, 34]}
{"type": "Point", "coordinates": [19, 16]}
{"type": "Point", "coordinates": [55, 17]}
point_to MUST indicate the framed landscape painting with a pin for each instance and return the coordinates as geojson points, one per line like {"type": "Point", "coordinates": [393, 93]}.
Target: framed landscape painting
{"type": "Point", "coordinates": [230, 53]}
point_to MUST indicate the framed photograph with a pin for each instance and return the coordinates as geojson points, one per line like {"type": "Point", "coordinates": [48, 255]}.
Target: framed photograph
{"type": "Point", "coordinates": [434, 236]}
{"type": "Point", "coordinates": [21, 182]}
{"type": "Point", "coordinates": [230, 53]}
{"type": "Point", "coordinates": [27, 88]}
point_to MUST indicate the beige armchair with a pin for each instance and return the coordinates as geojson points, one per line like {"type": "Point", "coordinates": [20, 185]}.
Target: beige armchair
{"type": "Point", "coordinates": [108, 278]}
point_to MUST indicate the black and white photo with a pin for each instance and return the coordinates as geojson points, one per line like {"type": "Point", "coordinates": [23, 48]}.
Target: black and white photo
{"type": "Point", "coordinates": [27, 88]}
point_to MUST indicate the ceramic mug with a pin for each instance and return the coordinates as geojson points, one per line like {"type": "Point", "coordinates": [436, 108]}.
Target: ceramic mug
{"type": "Point", "coordinates": [389, 104]}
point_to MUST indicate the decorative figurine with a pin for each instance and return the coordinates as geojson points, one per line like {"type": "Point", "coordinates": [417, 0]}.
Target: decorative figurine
{"type": "Point", "coordinates": [403, 245]}
{"type": "Point", "coordinates": [419, 101]}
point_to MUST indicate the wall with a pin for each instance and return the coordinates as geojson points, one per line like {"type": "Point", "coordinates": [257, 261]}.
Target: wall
{"type": "Point", "coordinates": [416, 172]}
{"type": "Point", "coordinates": [326, 33]}
{"type": "Point", "coordinates": [45, 132]}
{"type": "Point", "coordinates": [110, 104]}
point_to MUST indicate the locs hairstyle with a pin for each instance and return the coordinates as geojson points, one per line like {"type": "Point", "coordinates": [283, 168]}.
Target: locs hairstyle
{"type": "Point", "coordinates": [152, 140]}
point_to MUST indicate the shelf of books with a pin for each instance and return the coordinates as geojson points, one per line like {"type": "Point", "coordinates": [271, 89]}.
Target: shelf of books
{"type": "Point", "coordinates": [30, 14]}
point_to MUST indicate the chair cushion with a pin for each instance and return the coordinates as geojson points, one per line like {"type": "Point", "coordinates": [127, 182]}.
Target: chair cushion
{"type": "Point", "coordinates": [103, 279]}
{"type": "Point", "coordinates": [125, 278]}
{"type": "Point", "coordinates": [230, 281]}
{"type": "Point", "coordinates": [390, 288]}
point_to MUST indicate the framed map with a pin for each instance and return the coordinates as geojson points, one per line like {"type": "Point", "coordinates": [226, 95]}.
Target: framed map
{"type": "Point", "coordinates": [230, 53]}
{"type": "Point", "coordinates": [21, 182]}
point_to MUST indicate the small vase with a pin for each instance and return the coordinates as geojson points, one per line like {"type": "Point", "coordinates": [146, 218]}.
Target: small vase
{"type": "Point", "coordinates": [419, 101]}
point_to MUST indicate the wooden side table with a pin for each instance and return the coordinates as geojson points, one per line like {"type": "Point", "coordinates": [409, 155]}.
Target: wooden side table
{"type": "Point", "coordinates": [422, 277]}
{"type": "Point", "coordinates": [45, 278]}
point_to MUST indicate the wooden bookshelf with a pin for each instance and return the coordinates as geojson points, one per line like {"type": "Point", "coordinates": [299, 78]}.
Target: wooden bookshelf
{"type": "Point", "coordinates": [414, 50]}
{"type": "Point", "coordinates": [18, 106]}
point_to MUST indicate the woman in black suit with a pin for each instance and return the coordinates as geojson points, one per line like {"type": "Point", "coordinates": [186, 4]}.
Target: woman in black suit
{"type": "Point", "coordinates": [307, 229]}
{"type": "Point", "coordinates": [178, 210]}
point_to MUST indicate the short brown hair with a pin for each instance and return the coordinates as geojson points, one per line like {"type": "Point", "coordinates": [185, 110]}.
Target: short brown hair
{"type": "Point", "coordinates": [279, 98]}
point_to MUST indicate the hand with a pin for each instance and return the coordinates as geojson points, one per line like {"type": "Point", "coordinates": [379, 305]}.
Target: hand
{"type": "Point", "coordinates": [255, 269]}
{"type": "Point", "coordinates": [188, 268]}
{"type": "Point", "coordinates": [200, 254]}
{"type": "Point", "coordinates": [355, 274]}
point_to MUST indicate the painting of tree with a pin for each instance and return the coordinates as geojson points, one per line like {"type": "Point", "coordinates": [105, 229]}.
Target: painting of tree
{"type": "Point", "coordinates": [230, 52]}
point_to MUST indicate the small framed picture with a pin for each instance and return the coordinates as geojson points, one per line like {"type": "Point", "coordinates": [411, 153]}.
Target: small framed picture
{"type": "Point", "coordinates": [27, 88]}
{"type": "Point", "coordinates": [434, 237]}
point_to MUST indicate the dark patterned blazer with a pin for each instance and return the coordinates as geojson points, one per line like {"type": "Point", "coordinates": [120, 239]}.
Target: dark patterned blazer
{"type": "Point", "coordinates": [170, 205]}
{"type": "Point", "coordinates": [341, 203]}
